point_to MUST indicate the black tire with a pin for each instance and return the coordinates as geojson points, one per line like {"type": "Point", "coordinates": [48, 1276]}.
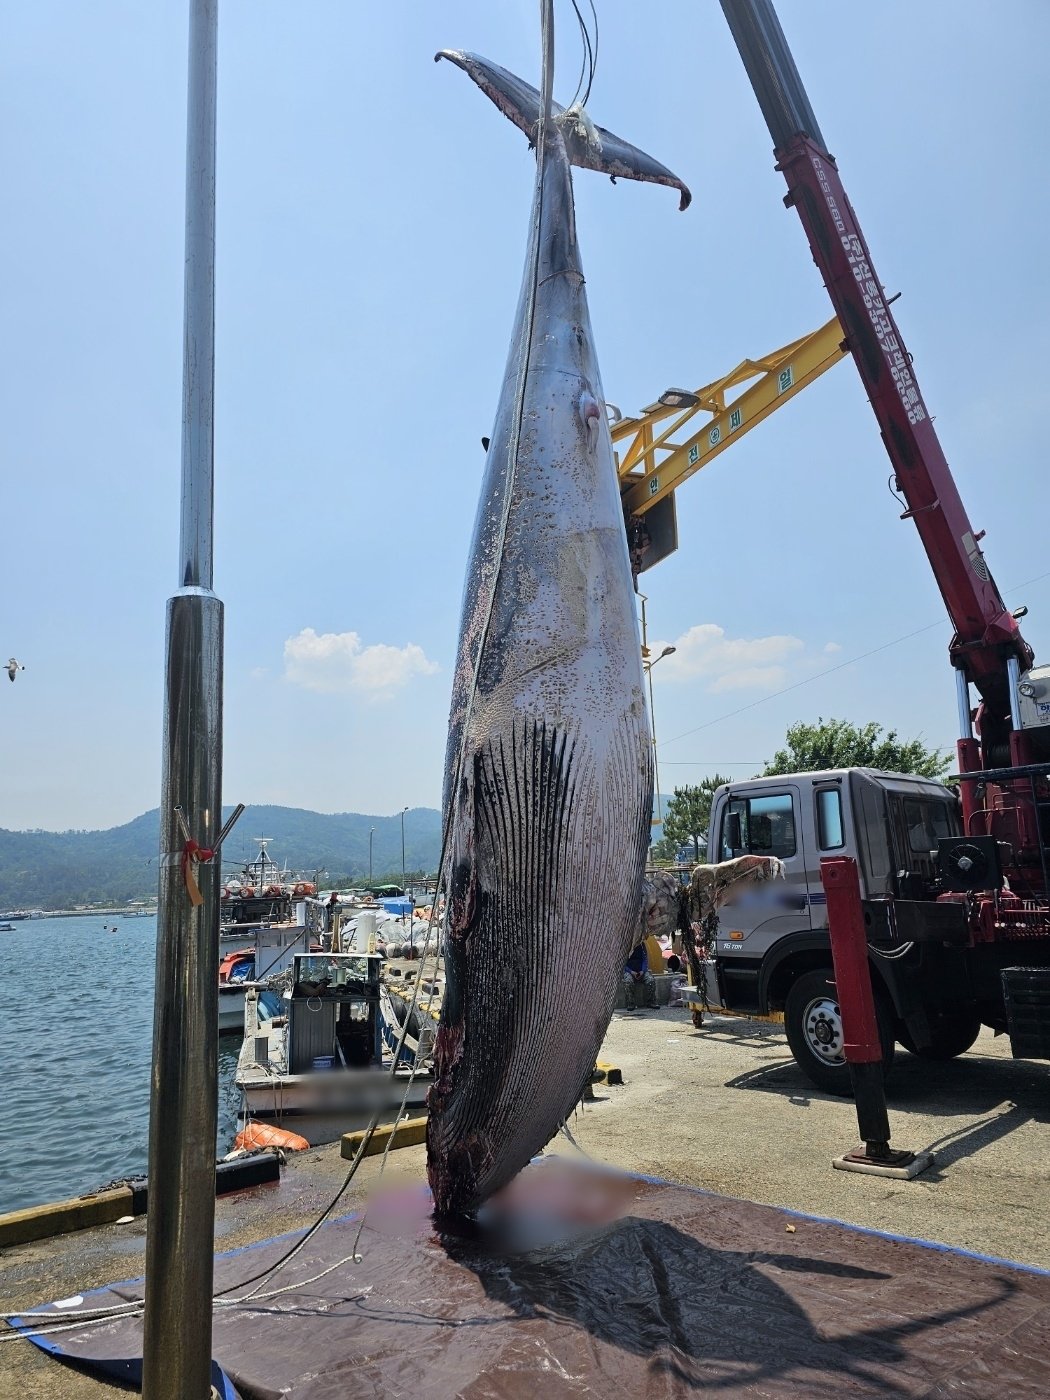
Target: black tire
{"type": "Point", "coordinates": [953, 1033]}
{"type": "Point", "coordinates": [811, 1020]}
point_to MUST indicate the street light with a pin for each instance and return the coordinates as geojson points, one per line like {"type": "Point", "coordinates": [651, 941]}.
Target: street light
{"type": "Point", "coordinates": [648, 662]}
{"type": "Point", "coordinates": [370, 835]}
{"type": "Point", "coordinates": [403, 811]}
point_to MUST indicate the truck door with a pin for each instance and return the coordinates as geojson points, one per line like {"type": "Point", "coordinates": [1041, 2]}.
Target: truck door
{"type": "Point", "coordinates": [767, 822]}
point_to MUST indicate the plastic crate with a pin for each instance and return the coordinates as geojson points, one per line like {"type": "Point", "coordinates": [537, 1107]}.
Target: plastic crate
{"type": "Point", "coordinates": [1026, 991]}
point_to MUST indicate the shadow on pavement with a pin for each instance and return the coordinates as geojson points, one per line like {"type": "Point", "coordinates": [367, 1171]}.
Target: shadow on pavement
{"type": "Point", "coordinates": [971, 1085]}
{"type": "Point", "coordinates": [964, 1142]}
{"type": "Point", "coordinates": [670, 1304]}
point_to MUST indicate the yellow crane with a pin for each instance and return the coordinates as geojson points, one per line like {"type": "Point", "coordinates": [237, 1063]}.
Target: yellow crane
{"type": "Point", "coordinates": [668, 442]}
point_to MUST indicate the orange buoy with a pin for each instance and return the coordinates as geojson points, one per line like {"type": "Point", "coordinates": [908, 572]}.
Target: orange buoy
{"type": "Point", "coordinates": [299, 890]}
{"type": "Point", "coordinates": [266, 1135]}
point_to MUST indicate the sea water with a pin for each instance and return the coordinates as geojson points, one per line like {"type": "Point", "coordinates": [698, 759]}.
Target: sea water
{"type": "Point", "coordinates": [76, 1029]}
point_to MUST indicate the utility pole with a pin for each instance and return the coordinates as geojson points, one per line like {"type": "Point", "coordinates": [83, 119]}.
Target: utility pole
{"type": "Point", "coordinates": [370, 835]}
{"type": "Point", "coordinates": [183, 1099]}
{"type": "Point", "coordinates": [403, 811]}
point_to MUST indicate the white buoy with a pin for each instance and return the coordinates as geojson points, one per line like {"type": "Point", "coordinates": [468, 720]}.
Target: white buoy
{"type": "Point", "coordinates": [366, 931]}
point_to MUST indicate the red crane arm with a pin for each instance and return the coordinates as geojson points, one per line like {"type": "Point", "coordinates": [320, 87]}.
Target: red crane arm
{"type": "Point", "coordinates": [986, 633]}
{"type": "Point", "coordinates": [985, 630]}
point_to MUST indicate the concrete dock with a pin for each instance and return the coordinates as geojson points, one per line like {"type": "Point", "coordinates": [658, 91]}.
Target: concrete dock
{"type": "Point", "coordinates": [724, 1108]}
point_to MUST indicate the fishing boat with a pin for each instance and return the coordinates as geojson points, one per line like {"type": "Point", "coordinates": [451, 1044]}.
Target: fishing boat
{"type": "Point", "coordinates": [321, 1066]}
{"type": "Point", "coordinates": [137, 909]}
{"type": "Point", "coordinates": [260, 894]}
{"type": "Point", "coordinates": [7, 927]}
{"type": "Point", "coordinates": [252, 967]}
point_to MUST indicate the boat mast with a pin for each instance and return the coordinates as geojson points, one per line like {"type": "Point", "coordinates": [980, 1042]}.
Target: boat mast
{"type": "Point", "coordinates": [183, 1102]}
{"type": "Point", "coordinates": [267, 868]}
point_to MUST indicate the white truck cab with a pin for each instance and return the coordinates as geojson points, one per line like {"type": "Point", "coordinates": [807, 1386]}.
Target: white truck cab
{"type": "Point", "coordinates": [772, 952]}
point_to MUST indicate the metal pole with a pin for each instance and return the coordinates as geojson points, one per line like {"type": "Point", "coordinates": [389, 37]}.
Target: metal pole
{"type": "Point", "coordinates": [1013, 680]}
{"type": "Point", "coordinates": [967, 749]}
{"type": "Point", "coordinates": [403, 848]}
{"type": "Point", "coordinates": [648, 667]}
{"type": "Point", "coordinates": [370, 835]}
{"type": "Point", "coordinates": [962, 695]}
{"type": "Point", "coordinates": [183, 1104]}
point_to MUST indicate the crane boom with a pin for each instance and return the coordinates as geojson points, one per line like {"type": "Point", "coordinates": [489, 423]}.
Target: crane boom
{"type": "Point", "coordinates": [665, 444]}
{"type": "Point", "coordinates": [987, 639]}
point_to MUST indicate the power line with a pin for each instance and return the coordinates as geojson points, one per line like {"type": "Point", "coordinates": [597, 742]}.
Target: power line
{"type": "Point", "coordinates": [807, 681]}
{"type": "Point", "coordinates": [851, 661]}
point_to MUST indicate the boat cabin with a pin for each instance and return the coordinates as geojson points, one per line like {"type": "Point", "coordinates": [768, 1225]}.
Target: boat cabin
{"type": "Point", "coordinates": [333, 1015]}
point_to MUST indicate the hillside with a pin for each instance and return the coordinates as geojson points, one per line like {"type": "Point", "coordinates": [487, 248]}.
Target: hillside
{"type": "Point", "coordinates": [60, 869]}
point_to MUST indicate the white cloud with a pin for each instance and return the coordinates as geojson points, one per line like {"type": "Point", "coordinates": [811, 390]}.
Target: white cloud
{"type": "Point", "coordinates": [831, 648]}
{"type": "Point", "coordinates": [705, 653]}
{"type": "Point", "coordinates": [336, 662]}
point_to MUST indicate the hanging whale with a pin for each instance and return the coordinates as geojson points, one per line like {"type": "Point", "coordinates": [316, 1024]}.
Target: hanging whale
{"type": "Point", "coordinates": [548, 780]}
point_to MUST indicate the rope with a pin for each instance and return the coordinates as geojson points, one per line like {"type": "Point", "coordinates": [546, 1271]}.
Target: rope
{"type": "Point", "coordinates": [193, 853]}
{"type": "Point", "coordinates": [589, 61]}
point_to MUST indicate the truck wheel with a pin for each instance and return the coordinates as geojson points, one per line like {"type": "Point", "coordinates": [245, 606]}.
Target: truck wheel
{"type": "Point", "coordinates": [814, 1030]}
{"type": "Point", "coordinates": [952, 1034]}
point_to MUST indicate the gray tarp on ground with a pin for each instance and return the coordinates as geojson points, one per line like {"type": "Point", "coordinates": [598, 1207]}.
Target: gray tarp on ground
{"type": "Point", "coordinates": [662, 1292]}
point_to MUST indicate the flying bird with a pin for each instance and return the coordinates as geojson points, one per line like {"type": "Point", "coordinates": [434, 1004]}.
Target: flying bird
{"type": "Point", "coordinates": [13, 668]}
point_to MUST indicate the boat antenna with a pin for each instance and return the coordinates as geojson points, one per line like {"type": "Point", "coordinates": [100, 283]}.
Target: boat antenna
{"type": "Point", "coordinates": [184, 1084]}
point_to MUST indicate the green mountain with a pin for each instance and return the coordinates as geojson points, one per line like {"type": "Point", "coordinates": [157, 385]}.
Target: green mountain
{"type": "Point", "coordinates": [61, 869]}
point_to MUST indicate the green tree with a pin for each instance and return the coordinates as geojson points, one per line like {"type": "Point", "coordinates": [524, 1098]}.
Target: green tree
{"type": "Point", "coordinates": [663, 852]}
{"type": "Point", "coordinates": [686, 818]}
{"type": "Point", "coordinates": [835, 743]}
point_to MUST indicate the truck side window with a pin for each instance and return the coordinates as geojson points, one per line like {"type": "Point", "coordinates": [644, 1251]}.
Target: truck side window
{"type": "Point", "coordinates": [772, 826]}
{"type": "Point", "coordinates": [829, 819]}
{"type": "Point", "coordinates": [767, 827]}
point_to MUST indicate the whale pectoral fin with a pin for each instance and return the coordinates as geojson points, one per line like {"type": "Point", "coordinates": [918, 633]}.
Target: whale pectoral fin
{"type": "Point", "coordinates": [588, 146]}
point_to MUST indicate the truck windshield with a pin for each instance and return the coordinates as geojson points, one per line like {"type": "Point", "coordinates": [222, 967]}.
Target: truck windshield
{"type": "Point", "coordinates": [767, 826]}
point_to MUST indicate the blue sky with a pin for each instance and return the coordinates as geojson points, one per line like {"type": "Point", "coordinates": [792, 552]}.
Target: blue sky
{"type": "Point", "coordinates": [372, 219]}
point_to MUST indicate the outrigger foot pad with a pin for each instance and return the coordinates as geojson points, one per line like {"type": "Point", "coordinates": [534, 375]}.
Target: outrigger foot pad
{"type": "Point", "coordinates": [885, 1162]}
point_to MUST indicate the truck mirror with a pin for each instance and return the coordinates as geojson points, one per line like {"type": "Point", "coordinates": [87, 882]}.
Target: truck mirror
{"type": "Point", "coordinates": [734, 838]}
